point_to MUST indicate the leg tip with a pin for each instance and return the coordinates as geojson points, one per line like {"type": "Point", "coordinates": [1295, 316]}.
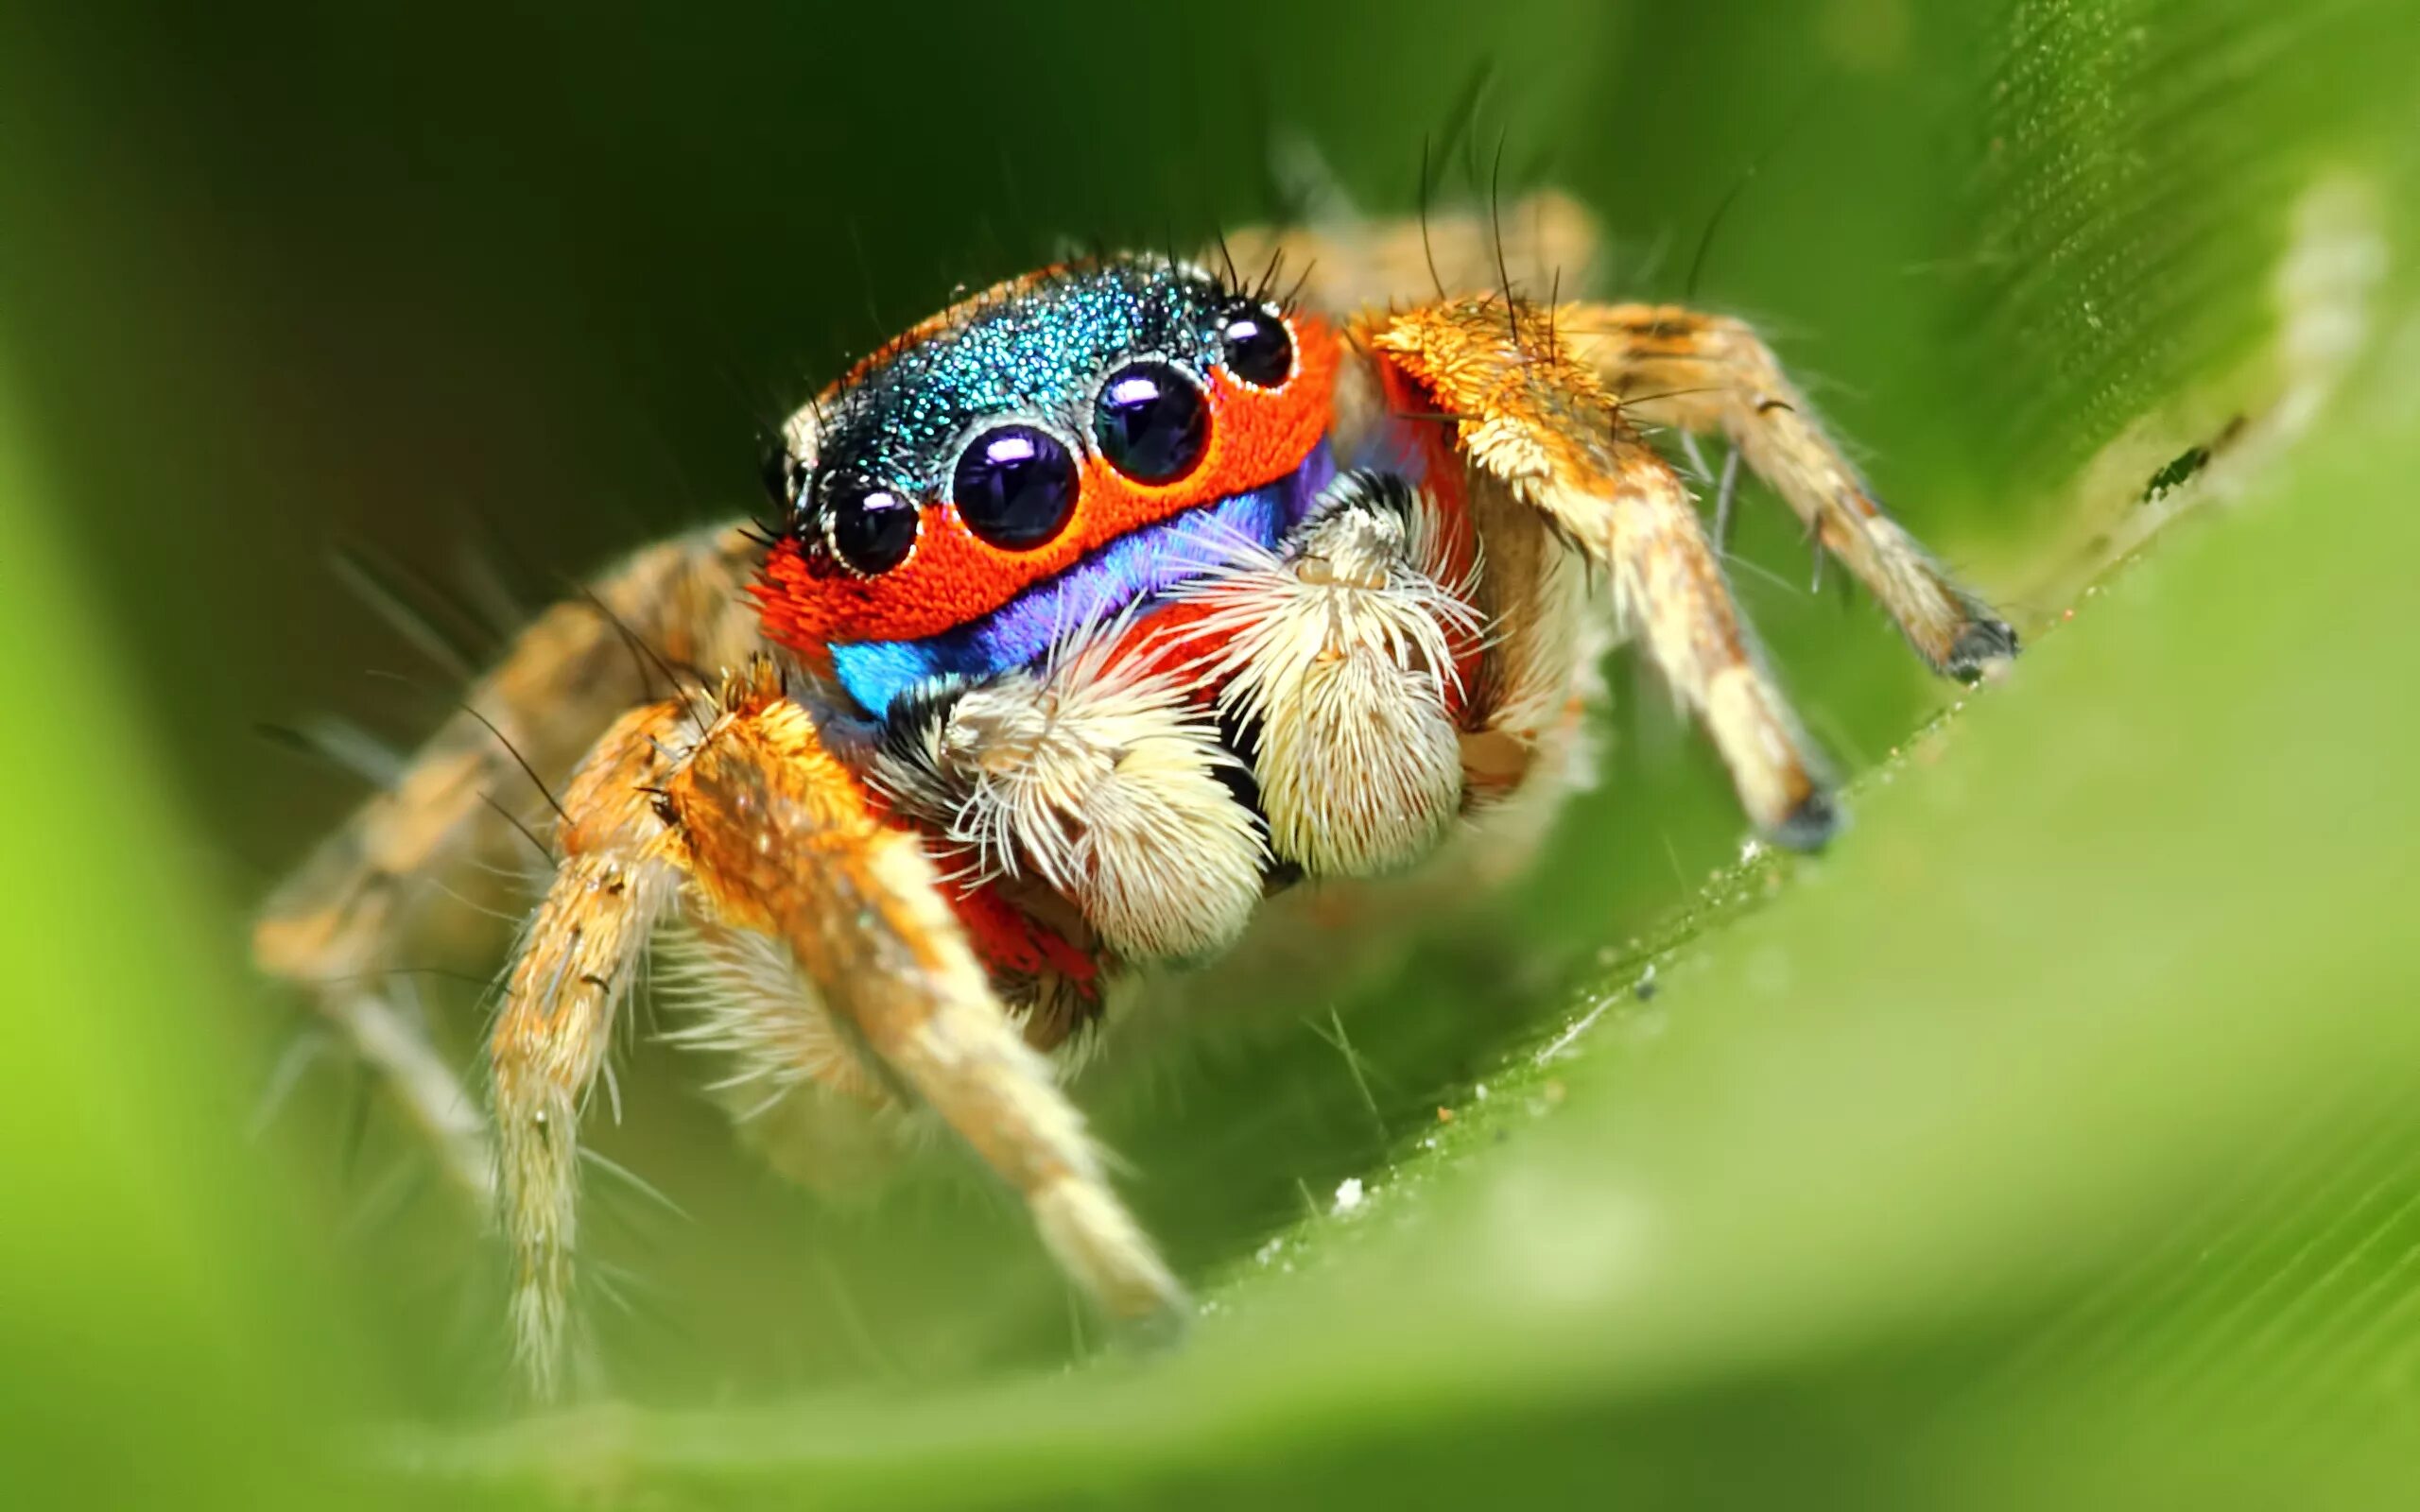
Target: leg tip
{"type": "Point", "coordinates": [1808, 826]}
{"type": "Point", "coordinates": [1158, 1332]}
{"type": "Point", "coordinates": [1982, 645]}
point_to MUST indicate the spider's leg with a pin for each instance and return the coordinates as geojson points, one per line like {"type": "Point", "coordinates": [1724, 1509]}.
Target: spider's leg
{"type": "Point", "coordinates": [1533, 422]}
{"type": "Point", "coordinates": [1709, 373]}
{"type": "Point", "coordinates": [344, 919]}
{"type": "Point", "coordinates": [777, 835]}
{"type": "Point", "coordinates": [555, 1028]}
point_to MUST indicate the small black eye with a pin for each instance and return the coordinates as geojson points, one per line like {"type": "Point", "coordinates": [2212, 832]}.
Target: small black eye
{"type": "Point", "coordinates": [1015, 486]}
{"type": "Point", "coordinates": [1151, 422]}
{"type": "Point", "coordinates": [870, 529]}
{"type": "Point", "coordinates": [1260, 351]}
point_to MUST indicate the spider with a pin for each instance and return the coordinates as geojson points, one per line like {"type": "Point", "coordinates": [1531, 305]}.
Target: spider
{"type": "Point", "coordinates": [1102, 618]}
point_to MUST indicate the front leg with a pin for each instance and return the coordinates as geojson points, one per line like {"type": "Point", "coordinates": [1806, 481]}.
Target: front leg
{"type": "Point", "coordinates": [776, 836]}
{"type": "Point", "coordinates": [1529, 417]}
{"type": "Point", "coordinates": [757, 827]}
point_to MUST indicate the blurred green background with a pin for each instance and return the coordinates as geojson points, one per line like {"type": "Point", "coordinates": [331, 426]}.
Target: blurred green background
{"type": "Point", "coordinates": [2048, 1144]}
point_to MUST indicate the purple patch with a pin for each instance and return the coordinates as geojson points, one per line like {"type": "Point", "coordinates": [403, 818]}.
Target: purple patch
{"type": "Point", "coordinates": [1138, 565]}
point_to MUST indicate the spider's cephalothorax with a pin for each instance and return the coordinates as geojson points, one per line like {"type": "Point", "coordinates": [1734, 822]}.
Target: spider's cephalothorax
{"type": "Point", "coordinates": [1098, 610]}
{"type": "Point", "coordinates": [1081, 553]}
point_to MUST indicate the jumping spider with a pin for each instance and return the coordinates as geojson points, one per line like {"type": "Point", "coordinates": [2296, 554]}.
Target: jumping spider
{"type": "Point", "coordinates": [1096, 611]}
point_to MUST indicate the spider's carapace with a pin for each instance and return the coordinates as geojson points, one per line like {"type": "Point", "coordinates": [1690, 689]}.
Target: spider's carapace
{"type": "Point", "coordinates": [1037, 458]}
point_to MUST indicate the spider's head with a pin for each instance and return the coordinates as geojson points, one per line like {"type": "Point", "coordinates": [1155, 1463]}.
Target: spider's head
{"type": "Point", "coordinates": [1036, 461]}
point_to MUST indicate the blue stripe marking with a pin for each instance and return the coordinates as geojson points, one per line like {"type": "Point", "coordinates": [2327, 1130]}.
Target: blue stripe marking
{"type": "Point", "coordinates": [1136, 565]}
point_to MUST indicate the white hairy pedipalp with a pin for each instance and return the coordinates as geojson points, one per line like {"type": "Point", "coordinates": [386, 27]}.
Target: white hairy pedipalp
{"type": "Point", "coordinates": [1340, 650]}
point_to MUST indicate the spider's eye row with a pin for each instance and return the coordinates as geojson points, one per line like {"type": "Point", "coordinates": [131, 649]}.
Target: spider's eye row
{"type": "Point", "coordinates": [1259, 348]}
{"type": "Point", "coordinates": [1016, 486]}
{"type": "Point", "coordinates": [1151, 421]}
{"type": "Point", "coordinates": [869, 528]}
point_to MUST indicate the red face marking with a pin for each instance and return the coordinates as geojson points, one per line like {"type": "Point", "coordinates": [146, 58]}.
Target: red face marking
{"type": "Point", "coordinates": [1257, 435]}
{"type": "Point", "coordinates": [1437, 444]}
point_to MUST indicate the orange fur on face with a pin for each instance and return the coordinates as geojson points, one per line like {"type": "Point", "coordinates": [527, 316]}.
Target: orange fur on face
{"type": "Point", "coordinates": [1256, 437]}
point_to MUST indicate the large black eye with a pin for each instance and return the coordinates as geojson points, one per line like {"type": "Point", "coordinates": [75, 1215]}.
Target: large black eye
{"type": "Point", "coordinates": [870, 529]}
{"type": "Point", "coordinates": [1015, 486]}
{"type": "Point", "coordinates": [1151, 422]}
{"type": "Point", "coordinates": [1260, 351]}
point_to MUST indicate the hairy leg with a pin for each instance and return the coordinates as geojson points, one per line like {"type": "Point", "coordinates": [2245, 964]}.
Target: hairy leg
{"type": "Point", "coordinates": [776, 836]}
{"type": "Point", "coordinates": [1709, 373]}
{"type": "Point", "coordinates": [553, 1033]}
{"type": "Point", "coordinates": [1529, 417]}
{"type": "Point", "coordinates": [345, 917]}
